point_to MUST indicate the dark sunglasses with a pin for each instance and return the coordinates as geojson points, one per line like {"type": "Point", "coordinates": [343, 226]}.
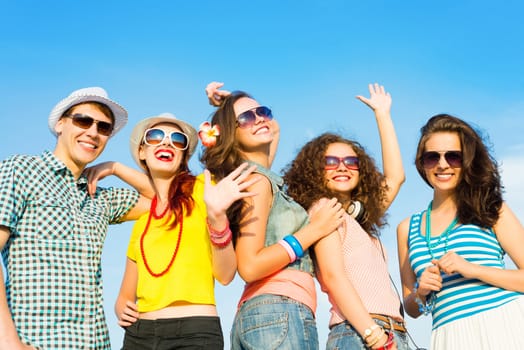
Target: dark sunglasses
{"type": "Point", "coordinates": [249, 118]}
{"type": "Point", "coordinates": [155, 136]}
{"type": "Point", "coordinates": [432, 158]}
{"type": "Point", "coordinates": [84, 121]}
{"type": "Point", "coordinates": [333, 162]}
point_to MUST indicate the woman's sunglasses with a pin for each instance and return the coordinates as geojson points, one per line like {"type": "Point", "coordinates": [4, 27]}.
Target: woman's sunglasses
{"type": "Point", "coordinates": [333, 162]}
{"type": "Point", "coordinates": [249, 118]}
{"type": "Point", "coordinates": [432, 158]}
{"type": "Point", "coordinates": [84, 121]}
{"type": "Point", "coordinates": [177, 139]}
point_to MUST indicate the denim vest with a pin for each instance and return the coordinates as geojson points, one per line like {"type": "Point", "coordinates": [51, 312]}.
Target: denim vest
{"type": "Point", "coordinates": [285, 218]}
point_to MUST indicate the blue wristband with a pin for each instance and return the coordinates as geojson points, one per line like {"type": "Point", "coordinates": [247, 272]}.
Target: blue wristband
{"type": "Point", "coordinates": [295, 245]}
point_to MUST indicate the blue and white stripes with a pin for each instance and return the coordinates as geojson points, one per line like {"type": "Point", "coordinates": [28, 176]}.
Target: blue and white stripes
{"type": "Point", "coordinates": [460, 297]}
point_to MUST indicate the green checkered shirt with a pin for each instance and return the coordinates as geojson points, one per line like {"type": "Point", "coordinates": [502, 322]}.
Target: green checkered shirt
{"type": "Point", "coordinates": [52, 257]}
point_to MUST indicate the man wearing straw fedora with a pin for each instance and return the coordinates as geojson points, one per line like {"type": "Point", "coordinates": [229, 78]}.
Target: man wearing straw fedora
{"type": "Point", "coordinates": [52, 231]}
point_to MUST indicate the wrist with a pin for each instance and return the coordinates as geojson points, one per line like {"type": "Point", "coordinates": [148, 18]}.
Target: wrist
{"type": "Point", "coordinates": [425, 306]}
{"type": "Point", "coordinates": [387, 341]}
{"type": "Point", "coordinates": [220, 238]}
{"type": "Point", "coordinates": [381, 341]}
{"type": "Point", "coordinates": [217, 220]}
{"type": "Point", "coordinates": [115, 166]}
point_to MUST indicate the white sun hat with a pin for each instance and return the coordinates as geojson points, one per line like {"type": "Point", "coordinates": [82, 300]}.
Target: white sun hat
{"type": "Point", "coordinates": [140, 128]}
{"type": "Point", "coordinates": [90, 94]}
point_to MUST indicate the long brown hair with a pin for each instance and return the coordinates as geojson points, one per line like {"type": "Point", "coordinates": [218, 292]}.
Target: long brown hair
{"type": "Point", "coordinates": [306, 183]}
{"type": "Point", "coordinates": [224, 156]}
{"type": "Point", "coordinates": [479, 191]}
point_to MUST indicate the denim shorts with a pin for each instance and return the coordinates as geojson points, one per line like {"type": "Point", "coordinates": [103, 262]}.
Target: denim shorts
{"type": "Point", "coordinates": [343, 336]}
{"type": "Point", "coordinates": [194, 332]}
{"type": "Point", "coordinates": [269, 322]}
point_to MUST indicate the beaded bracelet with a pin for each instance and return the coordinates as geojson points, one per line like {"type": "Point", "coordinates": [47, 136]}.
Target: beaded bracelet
{"type": "Point", "coordinates": [215, 233]}
{"type": "Point", "coordinates": [426, 307]}
{"type": "Point", "coordinates": [289, 250]}
{"type": "Point", "coordinates": [222, 238]}
{"type": "Point", "coordinates": [295, 245]}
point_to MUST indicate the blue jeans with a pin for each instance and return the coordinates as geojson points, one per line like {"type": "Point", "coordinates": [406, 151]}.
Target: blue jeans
{"type": "Point", "coordinates": [343, 336]}
{"type": "Point", "coordinates": [270, 322]}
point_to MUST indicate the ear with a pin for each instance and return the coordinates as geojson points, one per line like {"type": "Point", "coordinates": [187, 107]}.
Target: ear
{"type": "Point", "coordinates": [141, 153]}
{"type": "Point", "coordinates": [59, 126]}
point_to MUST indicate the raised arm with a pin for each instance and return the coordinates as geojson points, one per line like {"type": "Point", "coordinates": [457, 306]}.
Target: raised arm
{"type": "Point", "coordinates": [218, 199]}
{"type": "Point", "coordinates": [137, 179]}
{"type": "Point", "coordinates": [380, 102]}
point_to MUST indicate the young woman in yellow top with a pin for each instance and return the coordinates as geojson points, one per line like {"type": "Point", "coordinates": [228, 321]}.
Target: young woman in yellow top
{"type": "Point", "coordinates": [180, 246]}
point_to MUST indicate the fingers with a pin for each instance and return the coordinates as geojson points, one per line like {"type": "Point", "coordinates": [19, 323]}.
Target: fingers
{"type": "Point", "coordinates": [214, 95]}
{"type": "Point", "coordinates": [129, 315]}
{"type": "Point", "coordinates": [363, 99]}
{"type": "Point", "coordinates": [238, 171]}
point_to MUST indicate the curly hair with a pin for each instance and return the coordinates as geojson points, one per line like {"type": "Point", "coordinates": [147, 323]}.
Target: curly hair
{"type": "Point", "coordinates": [479, 191]}
{"type": "Point", "coordinates": [306, 183]}
{"type": "Point", "coordinates": [224, 156]}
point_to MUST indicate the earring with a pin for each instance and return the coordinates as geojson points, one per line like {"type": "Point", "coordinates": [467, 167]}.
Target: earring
{"type": "Point", "coordinates": [356, 210]}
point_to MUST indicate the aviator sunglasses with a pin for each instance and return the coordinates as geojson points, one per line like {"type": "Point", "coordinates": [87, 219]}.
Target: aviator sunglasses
{"type": "Point", "coordinates": [155, 136]}
{"type": "Point", "coordinates": [333, 162]}
{"type": "Point", "coordinates": [432, 158]}
{"type": "Point", "coordinates": [249, 118]}
{"type": "Point", "coordinates": [84, 121]}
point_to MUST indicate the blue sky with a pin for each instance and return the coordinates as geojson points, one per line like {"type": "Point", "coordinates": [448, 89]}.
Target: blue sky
{"type": "Point", "coordinates": [305, 59]}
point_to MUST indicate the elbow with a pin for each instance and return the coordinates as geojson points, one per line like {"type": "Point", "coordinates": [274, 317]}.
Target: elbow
{"type": "Point", "coordinates": [226, 279]}
{"type": "Point", "coordinates": [248, 274]}
{"type": "Point", "coordinates": [330, 280]}
{"type": "Point", "coordinates": [400, 179]}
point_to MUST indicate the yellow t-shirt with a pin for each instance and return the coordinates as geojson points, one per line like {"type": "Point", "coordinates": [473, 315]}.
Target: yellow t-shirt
{"type": "Point", "coordinates": [190, 277]}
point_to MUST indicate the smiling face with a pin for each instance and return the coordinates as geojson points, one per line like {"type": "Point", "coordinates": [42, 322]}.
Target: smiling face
{"type": "Point", "coordinates": [163, 159]}
{"type": "Point", "coordinates": [77, 147]}
{"type": "Point", "coordinates": [442, 176]}
{"type": "Point", "coordinates": [259, 134]}
{"type": "Point", "coordinates": [341, 179]}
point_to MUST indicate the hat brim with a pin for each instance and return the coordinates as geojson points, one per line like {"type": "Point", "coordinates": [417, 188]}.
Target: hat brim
{"type": "Point", "coordinates": [140, 128]}
{"type": "Point", "coordinates": [119, 112]}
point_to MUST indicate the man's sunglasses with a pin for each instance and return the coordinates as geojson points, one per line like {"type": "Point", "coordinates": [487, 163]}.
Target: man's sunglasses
{"type": "Point", "coordinates": [84, 121]}
{"type": "Point", "coordinates": [155, 136]}
{"type": "Point", "coordinates": [333, 162]}
{"type": "Point", "coordinates": [432, 158]}
{"type": "Point", "coordinates": [249, 118]}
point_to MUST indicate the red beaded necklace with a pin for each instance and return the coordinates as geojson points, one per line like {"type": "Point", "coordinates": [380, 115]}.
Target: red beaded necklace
{"type": "Point", "coordinates": [152, 211]}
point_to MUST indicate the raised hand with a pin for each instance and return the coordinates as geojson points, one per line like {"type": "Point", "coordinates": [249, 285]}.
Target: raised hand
{"type": "Point", "coordinates": [379, 100]}
{"type": "Point", "coordinates": [214, 95]}
{"type": "Point", "coordinates": [219, 197]}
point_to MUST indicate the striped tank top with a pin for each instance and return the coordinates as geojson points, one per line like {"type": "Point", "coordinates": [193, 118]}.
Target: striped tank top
{"type": "Point", "coordinates": [459, 297]}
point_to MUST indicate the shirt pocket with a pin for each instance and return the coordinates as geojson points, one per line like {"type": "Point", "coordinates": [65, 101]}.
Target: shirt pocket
{"type": "Point", "coordinates": [48, 218]}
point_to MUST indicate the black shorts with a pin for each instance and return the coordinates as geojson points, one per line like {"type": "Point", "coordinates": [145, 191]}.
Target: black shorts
{"type": "Point", "coordinates": [195, 332]}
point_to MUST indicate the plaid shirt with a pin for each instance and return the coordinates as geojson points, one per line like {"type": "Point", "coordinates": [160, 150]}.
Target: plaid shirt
{"type": "Point", "coordinates": [53, 254]}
